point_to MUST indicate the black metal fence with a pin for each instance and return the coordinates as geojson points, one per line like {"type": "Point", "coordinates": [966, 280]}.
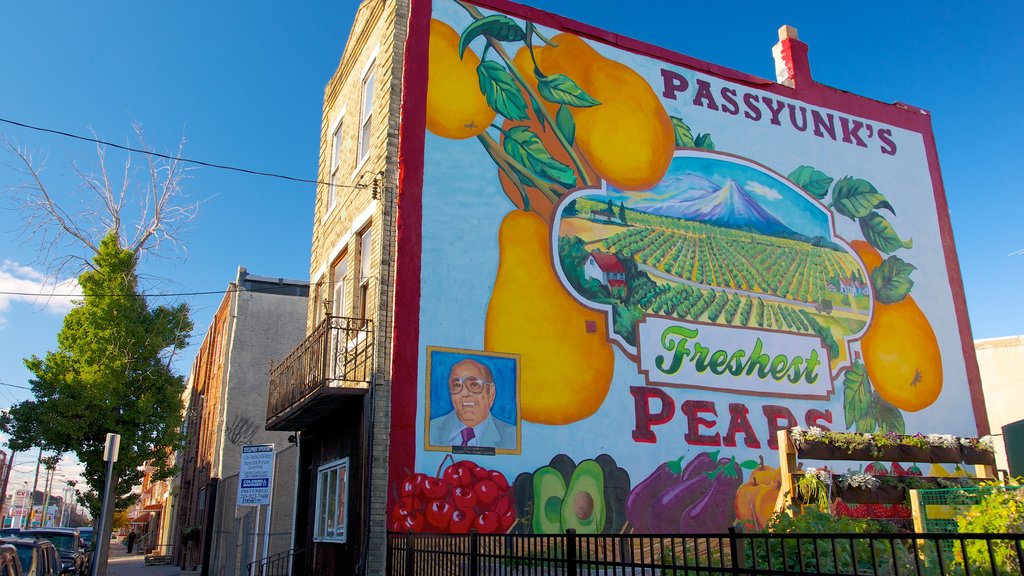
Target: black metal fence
{"type": "Point", "coordinates": [277, 565]}
{"type": "Point", "coordinates": [733, 553]}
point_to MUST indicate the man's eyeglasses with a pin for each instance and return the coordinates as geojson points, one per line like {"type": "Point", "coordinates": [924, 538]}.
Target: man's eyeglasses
{"type": "Point", "coordinates": [472, 383]}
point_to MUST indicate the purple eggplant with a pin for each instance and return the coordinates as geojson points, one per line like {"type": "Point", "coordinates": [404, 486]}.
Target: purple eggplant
{"type": "Point", "coordinates": [656, 504]}
{"type": "Point", "coordinates": [714, 512]}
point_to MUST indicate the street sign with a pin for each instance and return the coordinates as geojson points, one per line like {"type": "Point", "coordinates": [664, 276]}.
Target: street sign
{"type": "Point", "coordinates": [254, 474]}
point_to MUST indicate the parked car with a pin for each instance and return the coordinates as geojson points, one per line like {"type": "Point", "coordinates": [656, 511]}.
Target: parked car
{"type": "Point", "coordinates": [10, 565]}
{"type": "Point", "coordinates": [4, 532]}
{"type": "Point", "coordinates": [67, 541]}
{"type": "Point", "coordinates": [85, 543]}
{"type": "Point", "coordinates": [37, 557]}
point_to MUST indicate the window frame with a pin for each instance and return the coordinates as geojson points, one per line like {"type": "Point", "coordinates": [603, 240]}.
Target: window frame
{"type": "Point", "coordinates": [365, 258]}
{"type": "Point", "coordinates": [340, 536]}
{"type": "Point", "coordinates": [335, 141]}
{"type": "Point", "coordinates": [366, 101]}
{"type": "Point", "coordinates": [339, 285]}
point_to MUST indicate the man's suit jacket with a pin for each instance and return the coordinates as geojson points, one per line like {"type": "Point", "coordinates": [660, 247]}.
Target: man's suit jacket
{"type": "Point", "coordinates": [496, 433]}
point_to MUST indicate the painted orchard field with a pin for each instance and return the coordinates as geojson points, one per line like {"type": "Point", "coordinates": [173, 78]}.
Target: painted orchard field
{"type": "Point", "coordinates": [677, 275]}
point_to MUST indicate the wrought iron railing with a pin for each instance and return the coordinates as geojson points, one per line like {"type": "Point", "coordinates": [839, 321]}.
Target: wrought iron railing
{"type": "Point", "coordinates": [733, 554]}
{"type": "Point", "coordinates": [337, 354]}
{"type": "Point", "coordinates": [276, 565]}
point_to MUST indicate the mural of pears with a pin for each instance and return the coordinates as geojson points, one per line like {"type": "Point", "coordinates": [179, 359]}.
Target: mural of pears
{"type": "Point", "coordinates": [566, 360]}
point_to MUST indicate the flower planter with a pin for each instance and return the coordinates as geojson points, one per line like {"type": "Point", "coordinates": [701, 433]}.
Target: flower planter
{"type": "Point", "coordinates": [972, 455]}
{"type": "Point", "coordinates": [942, 454]}
{"type": "Point", "coordinates": [814, 450]}
{"type": "Point", "coordinates": [884, 494]}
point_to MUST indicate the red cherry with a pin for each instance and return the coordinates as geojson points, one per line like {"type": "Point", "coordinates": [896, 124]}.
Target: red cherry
{"type": "Point", "coordinates": [488, 522]}
{"type": "Point", "coordinates": [480, 473]}
{"type": "Point", "coordinates": [410, 487]}
{"type": "Point", "coordinates": [413, 522]}
{"type": "Point", "coordinates": [464, 498]}
{"type": "Point", "coordinates": [502, 504]}
{"type": "Point", "coordinates": [456, 475]}
{"type": "Point", "coordinates": [486, 492]}
{"type": "Point", "coordinates": [434, 488]}
{"type": "Point", "coordinates": [507, 518]}
{"type": "Point", "coordinates": [439, 515]}
{"type": "Point", "coordinates": [461, 521]}
{"type": "Point", "coordinates": [499, 479]}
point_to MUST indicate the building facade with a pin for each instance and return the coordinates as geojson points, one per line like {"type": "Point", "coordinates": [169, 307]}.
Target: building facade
{"type": "Point", "coordinates": [1002, 362]}
{"type": "Point", "coordinates": [259, 321]}
{"type": "Point", "coordinates": [549, 261]}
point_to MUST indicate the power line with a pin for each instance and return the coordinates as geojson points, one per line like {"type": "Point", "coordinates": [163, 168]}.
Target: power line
{"type": "Point", "coordinates": [179, 158]}
{"type": "Point", "coordinates": [159, 295]}
{"type": "Point", "coordinates": [2, 383]}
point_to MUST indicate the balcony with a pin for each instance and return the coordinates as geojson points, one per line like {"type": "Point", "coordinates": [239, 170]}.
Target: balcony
{"type": "Point", "coordinates": [332, 363]}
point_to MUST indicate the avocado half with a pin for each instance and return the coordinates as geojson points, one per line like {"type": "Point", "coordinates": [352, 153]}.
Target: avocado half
{"type": "Point", "coordinates": [589, 497]}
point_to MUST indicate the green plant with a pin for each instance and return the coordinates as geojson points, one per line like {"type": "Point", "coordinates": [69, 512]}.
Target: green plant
{"type": "Point", "coordinates": [811, 555]}
{"type": "Point", "coordinates": [814, 487]}
{"type": "Point", "coordinates": [1001, 511]}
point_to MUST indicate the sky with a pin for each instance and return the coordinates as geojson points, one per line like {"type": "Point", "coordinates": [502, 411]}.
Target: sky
{"type": "Point", "coordinates": [243, 83]}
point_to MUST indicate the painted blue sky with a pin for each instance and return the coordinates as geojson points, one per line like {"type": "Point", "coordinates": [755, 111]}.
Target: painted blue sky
{"type": "Point", "coordinates": [243, 82]}
{"type": "Point", "coordinates": [789, 206]}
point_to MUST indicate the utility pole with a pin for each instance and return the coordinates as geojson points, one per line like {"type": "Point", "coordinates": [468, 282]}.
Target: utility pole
{"type": "Point", "coordinates": [7, 477]}
{"type": "Point", "coordinates": [32, 497]}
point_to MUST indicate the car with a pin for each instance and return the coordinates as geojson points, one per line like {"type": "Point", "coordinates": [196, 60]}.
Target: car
{"type": "Point", "coordinates": [85, 543]}
{"type": "Point", "coordinates": [36, 557]}
{"type": "Point", "coordinates": [9, 531]}
{"type": "Point", "coordinates": [10, 565]}
{"type": "Point", "coordinates": [68, 544]}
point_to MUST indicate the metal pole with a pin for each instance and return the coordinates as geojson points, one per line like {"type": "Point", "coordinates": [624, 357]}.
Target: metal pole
{"type": "Point", "coordinates": [255, 531]}
{"type": "Point", "coordinates": [99, 561]}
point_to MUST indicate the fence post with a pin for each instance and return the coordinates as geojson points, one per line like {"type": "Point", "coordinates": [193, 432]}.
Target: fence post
{"type": "Point", "coordinates": [570, 552]}
{"type": "Point", "coordinates": [736, 562]}
{"type": "Point", "coordinates": [410, 562]}
{"type": "Point", "coordinates": [474, 553]}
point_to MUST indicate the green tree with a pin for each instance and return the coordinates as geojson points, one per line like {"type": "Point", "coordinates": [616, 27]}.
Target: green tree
{"type": "Point", "coordinates": [110, 373]}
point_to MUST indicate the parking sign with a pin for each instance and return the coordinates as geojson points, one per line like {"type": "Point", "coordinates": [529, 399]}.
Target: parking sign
{"type": "Point", "coordinates": [254, 475]}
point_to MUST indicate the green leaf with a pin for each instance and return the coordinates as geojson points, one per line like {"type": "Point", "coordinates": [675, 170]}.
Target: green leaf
{"type": "Point", "coordinates": [684, 137]}
{"type": "Point", "coordinates": [526, 148]}
{"type": "Point", "coordinates": [880, 234]}
{"type": "Point", "coordinates": [813, 181]}
{"type": "Point", "coordinates": [675, 466]}
{"type": "Point", "coordinates": [566, 124]}
{"type": "Point", "coordinates": [704, 141]}
{"type": "Point", "coordinates": [855, 198]}
{"type": "Point", "coordinates": [501, 91]}
{"type": "Point", "coordinates": [560, 89]}
{"type": "Point", "coordinates": [749, 464]}
{"type": "Point", "coordinates": [891, 280]}
{"type": "Point", "coordinates": [889, 417]}
{"type": "Point", "coordinates": [538, 112]}
{"type": "Point", "coordinates": [857, 399]}
{"type": "Point", "coordinates": [497, 26]}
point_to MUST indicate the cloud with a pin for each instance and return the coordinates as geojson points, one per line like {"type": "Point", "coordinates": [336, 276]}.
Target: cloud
{"type": "Point", "coordinates": [26, 285]}
{"type": "Point", "coordinates": [762, 190]}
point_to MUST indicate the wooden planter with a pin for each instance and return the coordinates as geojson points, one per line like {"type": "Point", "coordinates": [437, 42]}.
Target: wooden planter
{"type": "Point", "coordinates": [971, 455]}
{"type": "Point", "coordinates": [884, 494]}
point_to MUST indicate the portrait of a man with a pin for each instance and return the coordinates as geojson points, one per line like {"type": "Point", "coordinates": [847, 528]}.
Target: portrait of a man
{"type": "Point", "coordinates": [483, 412]}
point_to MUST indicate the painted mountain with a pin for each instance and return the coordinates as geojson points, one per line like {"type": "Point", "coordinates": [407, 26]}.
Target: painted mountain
{"type": "Point", "coordinates": [728, 206]}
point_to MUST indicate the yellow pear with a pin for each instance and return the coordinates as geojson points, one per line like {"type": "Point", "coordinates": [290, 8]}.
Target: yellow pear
{"type": "Point", "coordinates": [566, 360]}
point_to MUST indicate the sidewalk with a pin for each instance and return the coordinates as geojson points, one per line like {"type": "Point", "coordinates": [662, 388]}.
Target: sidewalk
{"type": "Point", "coordinates": [121, 564]}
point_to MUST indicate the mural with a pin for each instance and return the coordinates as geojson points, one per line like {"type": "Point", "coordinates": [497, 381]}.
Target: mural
{"type": "Point", "coordinates": [661, 268]}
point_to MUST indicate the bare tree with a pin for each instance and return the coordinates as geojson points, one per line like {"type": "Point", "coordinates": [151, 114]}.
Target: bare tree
{"type": "Point", "coordinates": [146, 213]}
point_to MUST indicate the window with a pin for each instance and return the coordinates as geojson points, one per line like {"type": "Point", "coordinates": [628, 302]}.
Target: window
{"type": "Point", "coordinates": [332, 193]}
{"type": "Point", "coordinates": [338, 291]}
{"type": "Point", "coordinates": [365, 242]}
{"type": "Point", "coordinates": [332, 501]}
{"type": "Point", "coordinates": [367, 114]}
